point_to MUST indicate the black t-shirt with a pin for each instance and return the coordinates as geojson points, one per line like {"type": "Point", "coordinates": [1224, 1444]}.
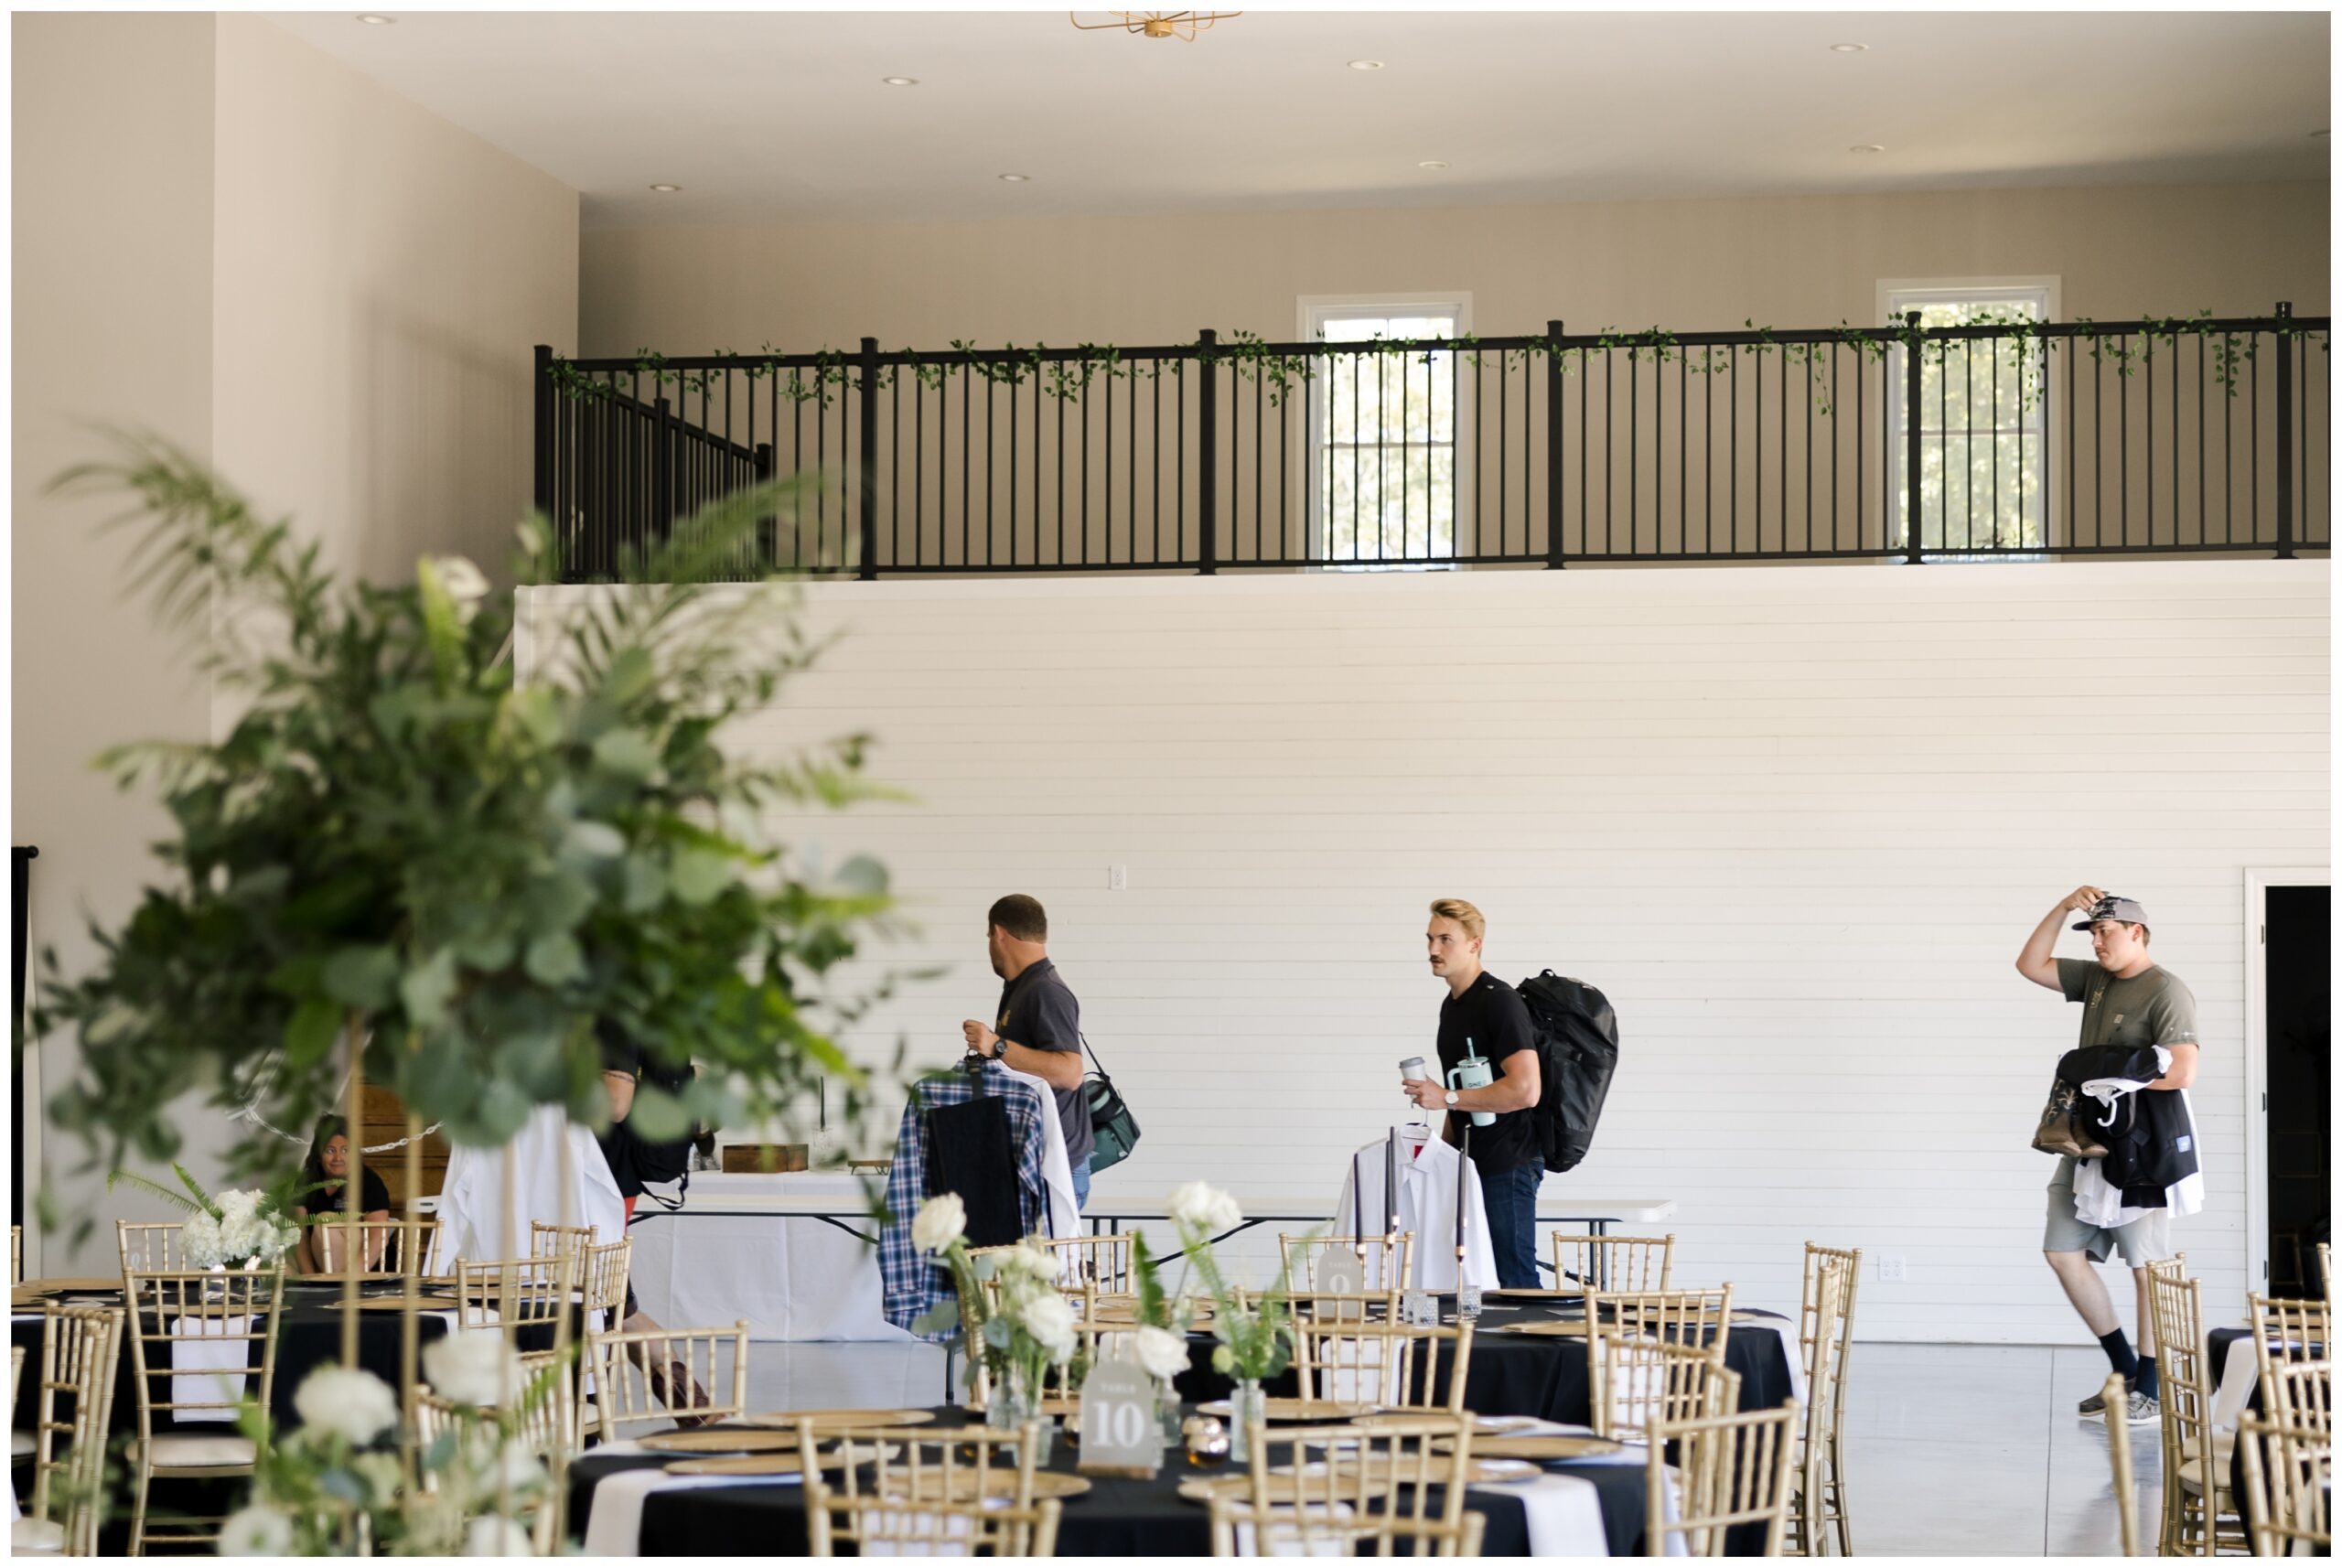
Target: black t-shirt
{"type": "Point", "coordinates": [1491, 1015]}
{"type": "Point", "coordinates": [1038, 1011]}
{"type": "Point", "coordinates": [378, 1197]}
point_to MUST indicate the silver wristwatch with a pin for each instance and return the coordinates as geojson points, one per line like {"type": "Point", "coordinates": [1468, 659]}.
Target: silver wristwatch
{"type": "Point", "coordinates": [1451, 1097]}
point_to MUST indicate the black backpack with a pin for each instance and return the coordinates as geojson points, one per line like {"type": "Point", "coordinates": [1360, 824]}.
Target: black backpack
{"type": "Point", "coordinates": [1577, 1050]}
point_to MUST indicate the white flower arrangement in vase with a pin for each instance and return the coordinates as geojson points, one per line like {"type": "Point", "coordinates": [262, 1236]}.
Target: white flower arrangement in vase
{"type": "Point", "coordinates": [241, 1227]}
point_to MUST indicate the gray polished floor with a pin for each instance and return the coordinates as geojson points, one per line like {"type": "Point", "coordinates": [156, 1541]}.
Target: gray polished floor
{"type": "Point", "coordinates": [1954, 1450]}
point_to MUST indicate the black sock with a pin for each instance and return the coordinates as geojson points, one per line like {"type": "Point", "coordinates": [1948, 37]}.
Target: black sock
{"type": "Point", "coordinates": [2145, 1384]}
{"type": "Point", "coordinates": [2117, 1347]}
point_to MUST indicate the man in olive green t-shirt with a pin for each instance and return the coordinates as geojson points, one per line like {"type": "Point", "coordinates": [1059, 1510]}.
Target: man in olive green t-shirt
{"type": "Point", "coordinates": [2127, 1000]}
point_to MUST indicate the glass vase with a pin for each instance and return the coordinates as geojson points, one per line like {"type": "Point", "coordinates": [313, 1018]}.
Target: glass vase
{"type": "Point", "coordinates": [1246, 1404]}
{"type": "Point", "coordinates": [1015, 1399]}
{"type": "Point", "coordinates": [1166, 1408]}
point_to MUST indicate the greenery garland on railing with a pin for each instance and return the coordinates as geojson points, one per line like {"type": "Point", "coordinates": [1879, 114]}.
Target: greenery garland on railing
{"type": "Point", "coordinates": [1066, 374]}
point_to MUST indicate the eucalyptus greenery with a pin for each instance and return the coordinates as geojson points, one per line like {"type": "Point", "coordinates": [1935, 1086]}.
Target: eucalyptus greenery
{"type": "Point", "coordinates": [1066, 374]}
{"type": "Point", "coordinates": [397, 843]}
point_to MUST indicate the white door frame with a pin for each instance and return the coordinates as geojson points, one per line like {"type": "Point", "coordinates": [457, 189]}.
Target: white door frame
{"type": "Point", "coordinates": [2258, 880]}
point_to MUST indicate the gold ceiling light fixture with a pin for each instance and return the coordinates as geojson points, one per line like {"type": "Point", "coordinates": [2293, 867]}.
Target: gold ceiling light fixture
{"type": "Point", "coordinates": [1181, 25]}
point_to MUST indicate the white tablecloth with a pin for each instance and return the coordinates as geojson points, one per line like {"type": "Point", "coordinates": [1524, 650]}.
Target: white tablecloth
{"type": "Point", "coordinates": [791, 1277]}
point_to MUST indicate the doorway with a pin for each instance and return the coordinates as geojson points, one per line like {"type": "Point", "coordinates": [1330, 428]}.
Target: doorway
{"type": "Point", "coordinates": [2289, 1076]}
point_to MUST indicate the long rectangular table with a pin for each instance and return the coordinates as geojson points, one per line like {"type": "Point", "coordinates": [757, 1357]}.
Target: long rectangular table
{"type": "Point", "coordinates": [795, 1253]}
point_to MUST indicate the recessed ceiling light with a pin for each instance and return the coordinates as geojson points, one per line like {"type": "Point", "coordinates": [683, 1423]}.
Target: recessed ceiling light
{"type": "Point", "coordinates": [666, 189]}
{"type": "Point", "coordinates": [1433, 163]}
{"type": "Point", "coordinates": [1849, 48]}
{"type": "Point", "coordinates": [1017, 178]}
{"type": "Point", "coordinates": [1866, 147]}
{"type": "Point", "coordinates": [373, 21]}
{"type": "Point", "coordinates": [900, 80]}
{"type": "Point", "coordinates": [1366, 65]}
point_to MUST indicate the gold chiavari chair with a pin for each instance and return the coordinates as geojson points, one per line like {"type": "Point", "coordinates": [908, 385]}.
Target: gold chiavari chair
{"type": "Point", "coordinates": [388, 1248]}
{"type": "Point", "coordinates": [1386, 1262]}
{"type": "Point", "coordinates": [1344, 1307]}
{"type": "Point", "coordinates": [666, 1374]}
{"type": "Point", "coordinates": [80, 1347]}
{"type": "Point", "coordinates": [1701, 1318]}
{"type": "Point", "coordinates": [2116, 1393]}
{"type": "Point", "coordinates": [2300, 1393]}
{"type": "Point", "coordinates": [552, 1241]}
{"type": "Point", "coordinates": [606, 1269]}
{"type": "Point", "coordinates": [2284, 1330]}
{"type": "Point", "coordinates": [231, 1316]}
{"type": "Point", "coordinates": [1101, 1264]}
{"type": "Point", "coordinates": [2326, 1268]}
{"type": "Point", "coordinates": [1640, 1381]}
{"type": "Point", "coordinates": [897, 1528]}
{"type": "Point", "coordinates": [1730, 1471]}
{"type": "Point", "coordinates": [1818, 1317]}
{"type": "Point", "coordinates": [149, 1248]}
{"type": "Point", "coordinates": [15, 1255]}
{"type": "Point", "coordinates": [916, 1465]}
{"type": "Point", "coordinates": [1833, 1456]}
{"type": "Point", "coordinates": [1615, 1263]}
{"type": "Point", "coordinates": [547, 1397]}
{"type": "Point", "coordinates": [2288, 1483]}
{"type": "Point", "coordinates": [2198, 1510]}
{"type": "Point", "coordinates": [1396, 1366]}
{"type": "Point", "coordinates": [1308, 1489]}
{"type": "Point", "coordinates": [511, 1291]}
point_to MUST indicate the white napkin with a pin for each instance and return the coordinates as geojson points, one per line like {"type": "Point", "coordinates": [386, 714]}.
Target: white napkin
{"type": "Point", "coordinates": [1286, 1540]}
{"type": "Point", "coordinates": [613, 1527]}
{"type": "Point", "coordinates": [1563, 1514]}
{"type": "Point", "coordinates": [201, 1346]}
{"type": "Point", "coordinates": [2238, 1377]}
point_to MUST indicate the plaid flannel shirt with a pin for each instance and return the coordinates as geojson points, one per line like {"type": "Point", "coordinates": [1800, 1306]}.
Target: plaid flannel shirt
{"type": "Point", "coordinates": [913, 1285]}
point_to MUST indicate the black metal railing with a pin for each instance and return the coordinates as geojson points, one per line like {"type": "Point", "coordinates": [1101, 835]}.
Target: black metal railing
{"type": "Point", "coordinates": [2007, 439]}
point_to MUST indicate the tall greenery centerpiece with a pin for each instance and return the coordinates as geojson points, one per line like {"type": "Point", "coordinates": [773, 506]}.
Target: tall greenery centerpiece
{"type": "Point", "coordinates": [1255, 1334]}
{"type": "Point", "coordinates": [397, 843]}
{"type": "Point", "coordinates": [402, 866]}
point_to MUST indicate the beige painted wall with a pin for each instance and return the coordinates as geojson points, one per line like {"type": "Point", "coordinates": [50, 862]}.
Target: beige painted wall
{"type": "Point", "coordinates": [1802, 262]}
{"type": "Point", "coordinates": [223, 235]}
{"type": "Point", "coordinates": [111, 312]}
{"type": "Point", "coordinates": [381, 278]}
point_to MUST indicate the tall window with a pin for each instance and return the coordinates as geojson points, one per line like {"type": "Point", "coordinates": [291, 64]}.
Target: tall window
{"type": "Point", "coordinates": [1982, 418]}
{"type": "Point", "coordinates": [1382, 436]}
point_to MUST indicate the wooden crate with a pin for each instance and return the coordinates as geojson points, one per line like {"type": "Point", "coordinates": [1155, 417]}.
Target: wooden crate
{"type": "Point", "coordinates": [761, 1158]}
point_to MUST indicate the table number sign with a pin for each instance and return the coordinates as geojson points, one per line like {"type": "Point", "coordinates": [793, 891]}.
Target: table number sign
{"type": "Point", "coordinates": [1121, 1434]}
{"type": "Point", "coordinates": [1341, 1272]}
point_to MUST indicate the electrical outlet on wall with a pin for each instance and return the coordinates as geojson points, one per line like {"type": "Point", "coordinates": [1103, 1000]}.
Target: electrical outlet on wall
{"type": "Point", "coordinates": [1118, 878]}
{"type": "Point", "coordinates": [1890, 1267]}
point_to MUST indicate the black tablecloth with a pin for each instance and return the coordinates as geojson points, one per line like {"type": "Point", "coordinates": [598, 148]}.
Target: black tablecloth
{"type": "Point", "coordinates": [2218, 1346]}
{"type": "Point", "coordinates": [1118, 1517]}
{"type": "Point", "coordinates": [1544, 1375]}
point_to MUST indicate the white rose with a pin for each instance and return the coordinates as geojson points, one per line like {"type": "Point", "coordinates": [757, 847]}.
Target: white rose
{"type": "Point", "coordinates": [496, 1537]}
{"type": "Point", "coordinates": [337, 1402]}
{"type": "Point", "coordinates": [256, 1531]}
{"type": "Point", "coordinates": [1163, 1353]}
{"type": "Point", "coordinates": [1205, 1209]}
{"type": "Point", "coordinates": [464, 583]}
{"type": "Point", "coordinates": [518, 1469]}
{"type": "Point", "coordinates": [1049, 1321]}
{"type": "Point", "coordinates": [942, 1219]}
{"type": "Point", "coordinates": [474, 1369]}
{"type": "Point", "coordinates": [238, 1201]}
{"type": "Point", "coordinates": [1028, 1260]}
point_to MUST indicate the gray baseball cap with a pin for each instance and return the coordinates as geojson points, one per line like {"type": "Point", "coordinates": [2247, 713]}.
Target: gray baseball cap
{"type": "Point", "coordinates": [2111, 907]}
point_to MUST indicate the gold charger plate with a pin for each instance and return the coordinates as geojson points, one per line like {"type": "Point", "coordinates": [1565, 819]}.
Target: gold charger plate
{"type": "Point", "coordinates": [1283, 1407]}
{"type": "Point", "coordinates": [720, 1440]}
{"type": "Point", "coordinates": [1540, 1292]}
{"type": "Point", "coordinates": [838, 1420]}
{"type": "Point", "coordinates": [64, 1286]}
{"type": "Point", "coordinates": [1547, 1448]}
{"type": "Point", "coordinates": [1554, 1328]}
{"type": "Point", "coordinates": [393, 1303]}
{"type": "Point", "coordinates": [1003, 1484]}
{"type": "Point", "coordinates": [1482, 1426]}
{"type": "Point", "coordinates": [739, 1465]}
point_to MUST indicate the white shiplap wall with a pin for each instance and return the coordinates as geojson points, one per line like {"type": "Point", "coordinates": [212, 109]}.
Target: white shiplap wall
{"type": "Point", "coordinates": [1796, 822]}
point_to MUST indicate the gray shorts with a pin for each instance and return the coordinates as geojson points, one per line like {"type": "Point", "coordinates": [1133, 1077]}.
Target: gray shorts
{"type": "Point", "coordinates": [2144, 1240]}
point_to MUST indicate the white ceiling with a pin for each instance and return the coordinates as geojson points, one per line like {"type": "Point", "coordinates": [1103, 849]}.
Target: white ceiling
{"type": "Point", "coordinates": [765, 116]}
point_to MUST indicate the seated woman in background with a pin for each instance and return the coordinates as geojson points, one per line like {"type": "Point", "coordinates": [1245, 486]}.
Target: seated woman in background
{"type": "Point", "coordinates": [324, 1189]}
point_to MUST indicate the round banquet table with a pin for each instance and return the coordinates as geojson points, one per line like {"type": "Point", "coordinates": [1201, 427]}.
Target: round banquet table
{"type": "Point", "coordinates": [1118, 1517]}
{"type": "Point", "coordinates": [2219, 1345]}
{"type": "Point", "coordinates": [1547, 1376]}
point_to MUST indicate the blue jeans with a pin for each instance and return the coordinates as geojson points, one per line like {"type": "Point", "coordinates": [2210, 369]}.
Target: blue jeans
{"type": "Point", "coordinates": [1082, 1182]}
{"type": "Point", "coordinates": [1511, 1199]}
